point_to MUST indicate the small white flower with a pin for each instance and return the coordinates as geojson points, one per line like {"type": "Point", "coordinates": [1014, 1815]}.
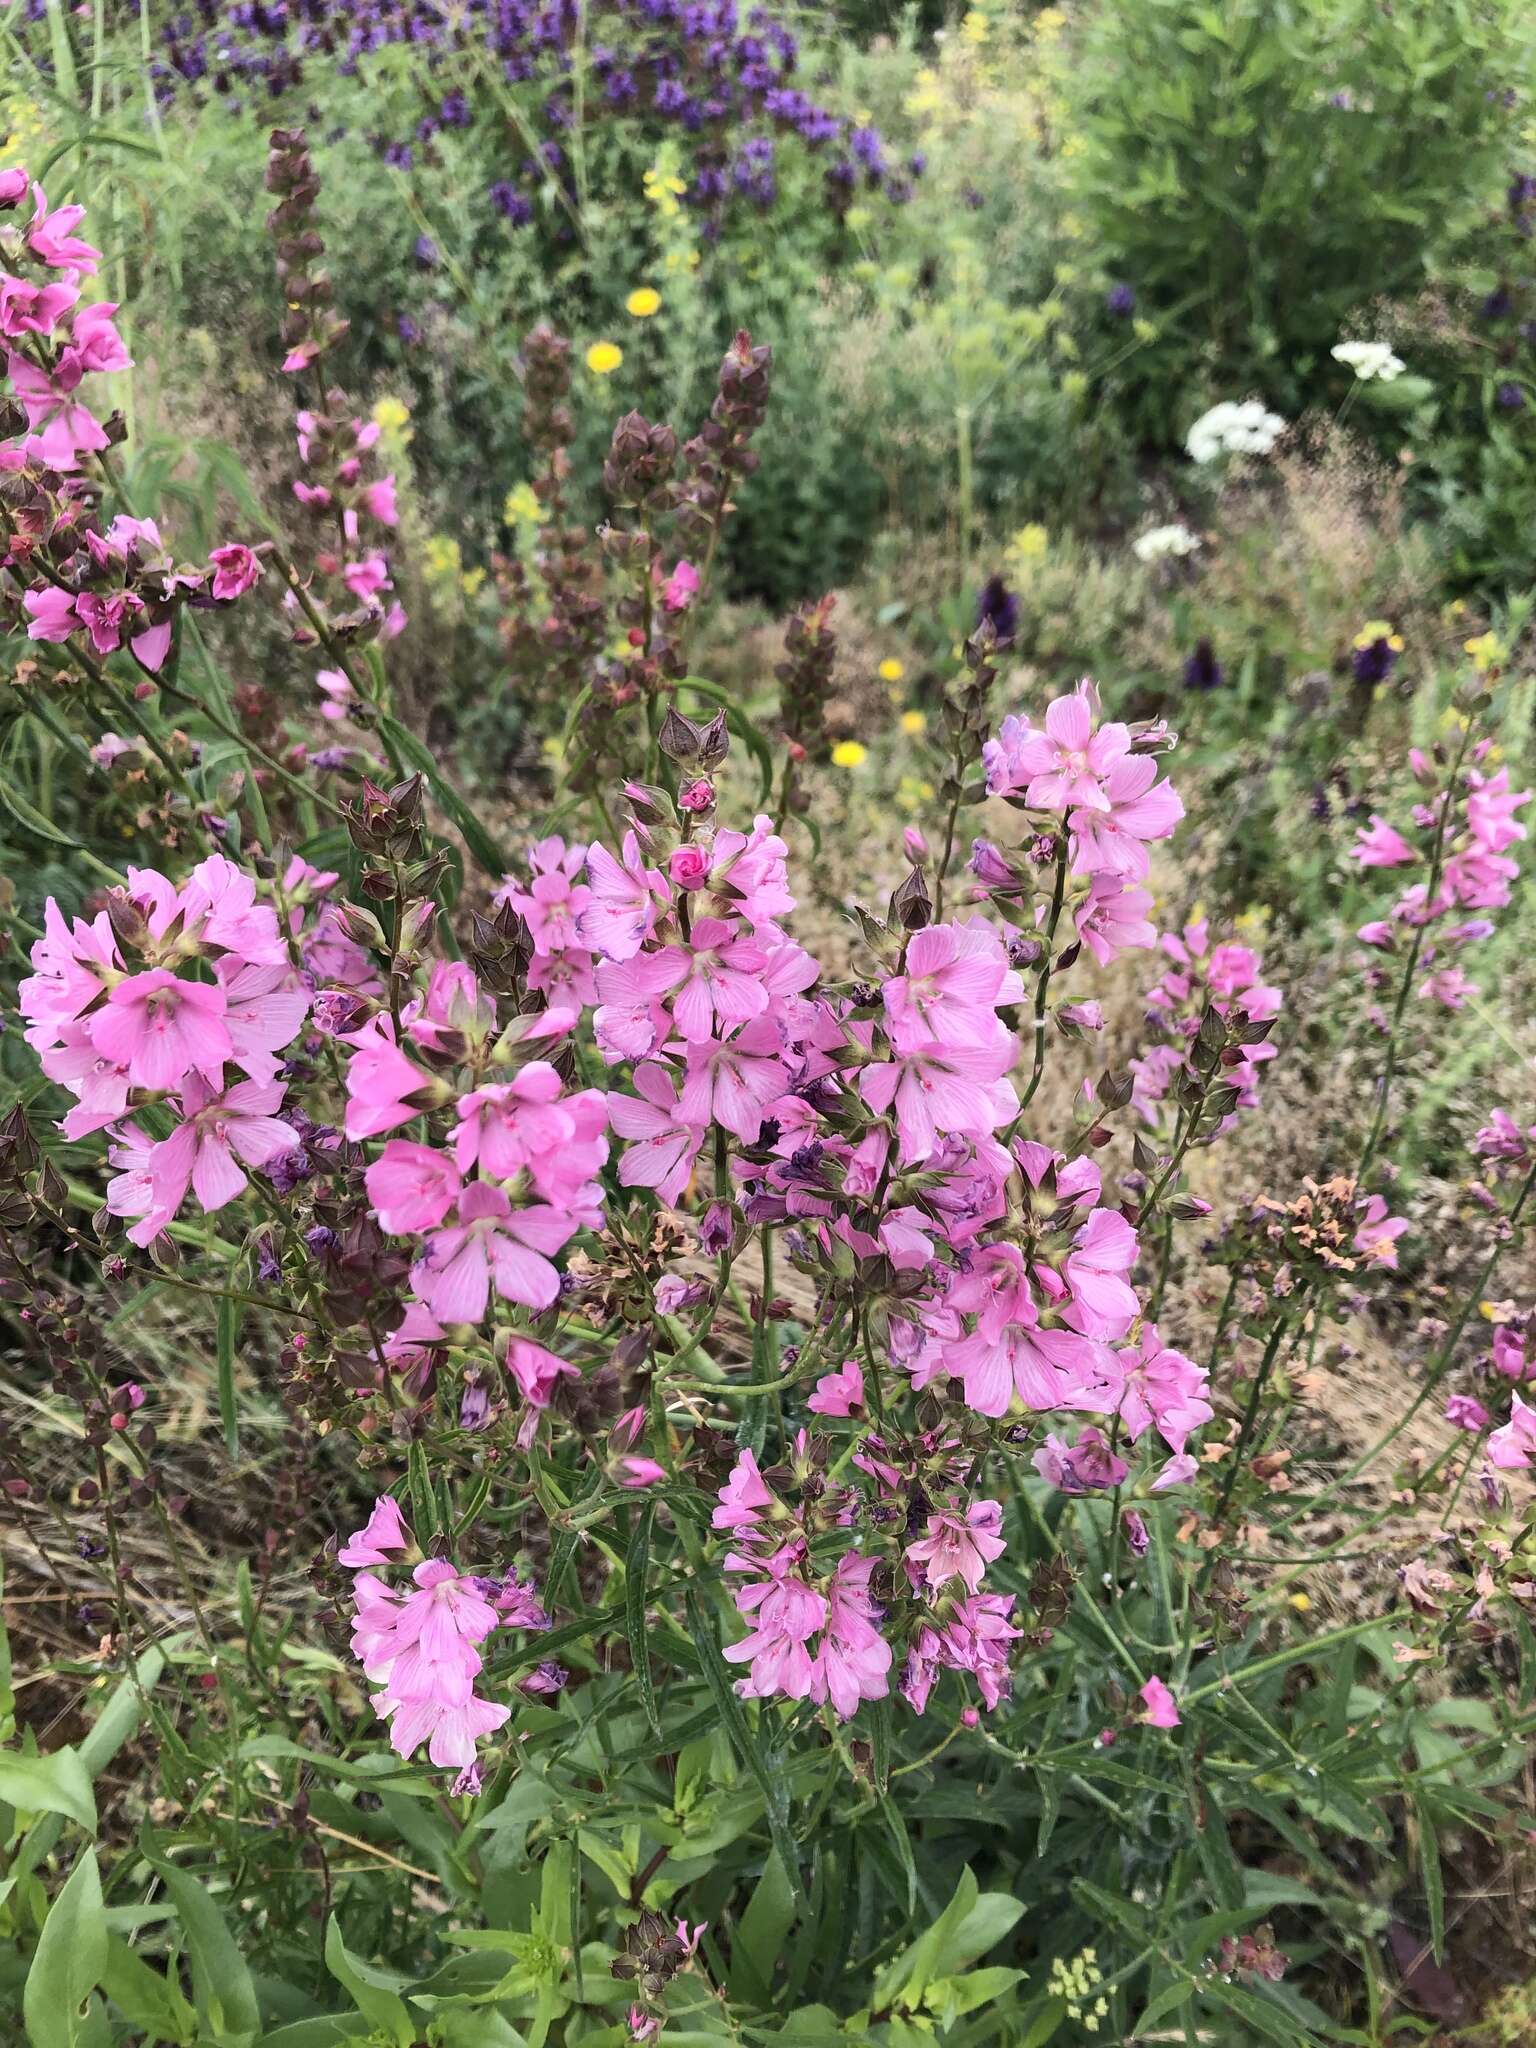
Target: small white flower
{"type": "Point", "coordinates": [1159, 541]}
{"type": "Point", "coordinates": [1231, 429]}
{"type": "Point", "coordinates": [1369, 359]}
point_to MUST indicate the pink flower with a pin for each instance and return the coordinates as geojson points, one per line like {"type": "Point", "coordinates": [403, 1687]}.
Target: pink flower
{"type": "Point", "coordinates": [1113, 916]}
{"type": "Point", "coordinates": [743, 1496]}
{"type": "Point", "coordinates": [384, 1088]}
{"type": "Point", "coordinates": [957, 978]}
{"type": "Point", "coordinates": [536, 1373]}
{"type": "Point", "coordinates": [681, 587]}
{"type": "Point", "coordinates": [411, 1187]}
{"type": "Point", "coordinates": [52, 240]}
{"type": "Point", "coordinates": [1508, 1352]}
{"type": "Point", "coordinates": [1376, 1238]}
{"type": "Point", "coordinates": [1063, 767]}
{"type": "Point", "coordinates": [1088, 1466]}
{"type": "Point", "coordinates": [383, 1532]}
{"type": "Point", "coordinates": [1511, 1447]}
{"type": "Point", "coordinates": [623, 901]}
{"type": "Point", "coordinates": [338, 692]}
{"type": "Point", "coordinates": [1104, 1304]}
{"type": "Point", "coordinates": [787, 1613]}
{"type": "Point", "coordinates": [266, 1008]}
{"type": "Point", "coordinates": [634, 1472]}
{"type": "Point", "coordinates": [956, 1549]}
{"type": "Point", "coordinates": [936, 1091]}
{"type": "Point", "coordinates": [840, 1392]}
{"type": "Point", "coordinates": [422, 1650]}
{"type": "Point", "coordinates": [235, 569]}
{"type": "Point", "coordinates": [1383, 846]}
{"type": "Point", "coordinates": [719, 980]}
{"type": "Point", "coordinates": [1159, 1707]}
{"type": "Point", "coordinates": [1111, 838]}
{"type": "Point", "coordinates": [733, 1083]}
{"type": "Point", "coordinates": [161, 1029]}
{"type": "Point", "coordinates": [1464, 1413]}
{"type": "Point", "coordinates": [1164, 1388]}
{"type": "Point", "coordinates": [662, 1148]}
{"type": "Point", "coordinates": [853, 1659]}
{"type": "Point", "coordinates": [204, 1154]}
{"type": "Point", "coordinates": [491, 1244]}
{"type": "Point", "coordinates": [52, 613]}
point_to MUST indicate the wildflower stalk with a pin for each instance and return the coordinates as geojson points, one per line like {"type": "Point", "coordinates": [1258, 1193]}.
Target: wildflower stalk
{"type": "Point", "coordinates": [1439, 1367]}
{"type": "Point", "coordinates": [1410, 967]}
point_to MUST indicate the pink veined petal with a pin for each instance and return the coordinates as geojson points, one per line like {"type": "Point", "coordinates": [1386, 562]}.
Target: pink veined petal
{"type": "Point", "coordinates": [216, 1179]}
{"type": "Point", "coordinates": [457, 1291]}
{"type": "Point", "coordinates": [523, 1275]}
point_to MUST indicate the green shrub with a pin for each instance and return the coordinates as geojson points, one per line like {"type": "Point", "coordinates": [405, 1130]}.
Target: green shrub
{"type": "Point", "coordinates": [1258, 172]}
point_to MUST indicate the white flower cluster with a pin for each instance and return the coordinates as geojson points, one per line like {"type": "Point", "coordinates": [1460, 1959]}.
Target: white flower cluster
{"type": "Point", "coordinates": [1160, 541]}
{"type": "Point", "coordinates": [1230, 429]}
{"type": "Point", "coordinates": [1369, 359]}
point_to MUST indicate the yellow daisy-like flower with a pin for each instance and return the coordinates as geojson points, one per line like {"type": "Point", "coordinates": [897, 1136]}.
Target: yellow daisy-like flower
{"type": "Point", "coordinates": [643, 302]}
{"type": "Point", "coordinates": [890, 670]}
{"type": "Point", "coordinates": [975, 28]}
{"type": "Point", "coordinates": [522, 507]}
{"type": "Point", "coordinates": [914, 722]}
{"type": "Point", "coordinates": [390, 414]}
{"type": "Point", "coordinates": [1379, 629]}
{"type": "Point", "coordinates": [849, 754]}
{"type": "Point", "coordinates": [604, 357]}
{"type": "Point", "coordinates": [1302, 1602]}
{"type": "Point", "coordinates": [1031, 542]}
{"type": "Point", "coordinates": [1486, 650]}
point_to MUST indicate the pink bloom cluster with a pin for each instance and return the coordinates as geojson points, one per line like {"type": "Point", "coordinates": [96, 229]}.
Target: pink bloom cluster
{"type": "Point", "coordinates": [1476, 825]}
{"type": "Point", "coordinates": [496, 1195]}
{"type": "Point", "coordinates": [1226, 976]}
{"type": "Point", "coordinates": [422, 1648]}
{"type": "Point", "coordinates": [814, 1635]}
{"type": "Point", "coordinates": [185, 997]}
{"type": "Point", "coordinates": [1102, 780]}
{"type": "Point", "coordinates": [114, 587]}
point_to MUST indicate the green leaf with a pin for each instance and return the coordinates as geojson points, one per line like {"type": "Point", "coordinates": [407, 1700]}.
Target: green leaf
{"type": "Point", "coordinates": [221, 1984]}
{"type": "Point", "coordinates": [229, 1412]}
{"type": "Point", "coordinates": [26, 814]}
{"type": "Point", "coordinates": [635, 1563]}
{"type": "Point", "coordinates": [68, 1963]}
{"type": "Point", "coordinates": [1434, 1879]}
{"type": "Point", "coordinates": [375, 1992]}
{"type": "Point", "coordinates": [760, 1934]}
{"type": "Point", "coordinates": [718, 1679]}
{"type": "Point", "coordinates": [480, 843]}
{"type": "Point", "coordinates": [148, 2000]}
{"type": "Point", "coordinates": [120, 1717]}
{"type": "Point", "coordinates": [56, 1783]}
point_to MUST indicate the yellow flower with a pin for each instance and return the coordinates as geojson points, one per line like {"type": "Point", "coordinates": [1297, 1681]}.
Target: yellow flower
{"type": "Point", "coordinates": [643, 302]}
{"type": "Point", "coordinates": [1486, 651]}
{"type": "Point", "coordinates": [390, 414]}
{"type": "Point", "coordinates": [1031, 542]}
{"type": "Point", "coordinates": [1379, 629]}
{"type": "Point", "coordinates": [1302, 1602]}
{"type": "Point", "coordinates": [975, 28]}
{"type": "Point", "coordinates": [604, 357]}
{"type": "Point", "coordinates": [471, 581]}
{"type": "Point", "coordinates": [522, 507]}
{"type": "Point", "coordinates": [849, 754]}
{"type": "Point", "coordinates": [914, 722]}
{"type": "Point", "coordinates": [890, 670]}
